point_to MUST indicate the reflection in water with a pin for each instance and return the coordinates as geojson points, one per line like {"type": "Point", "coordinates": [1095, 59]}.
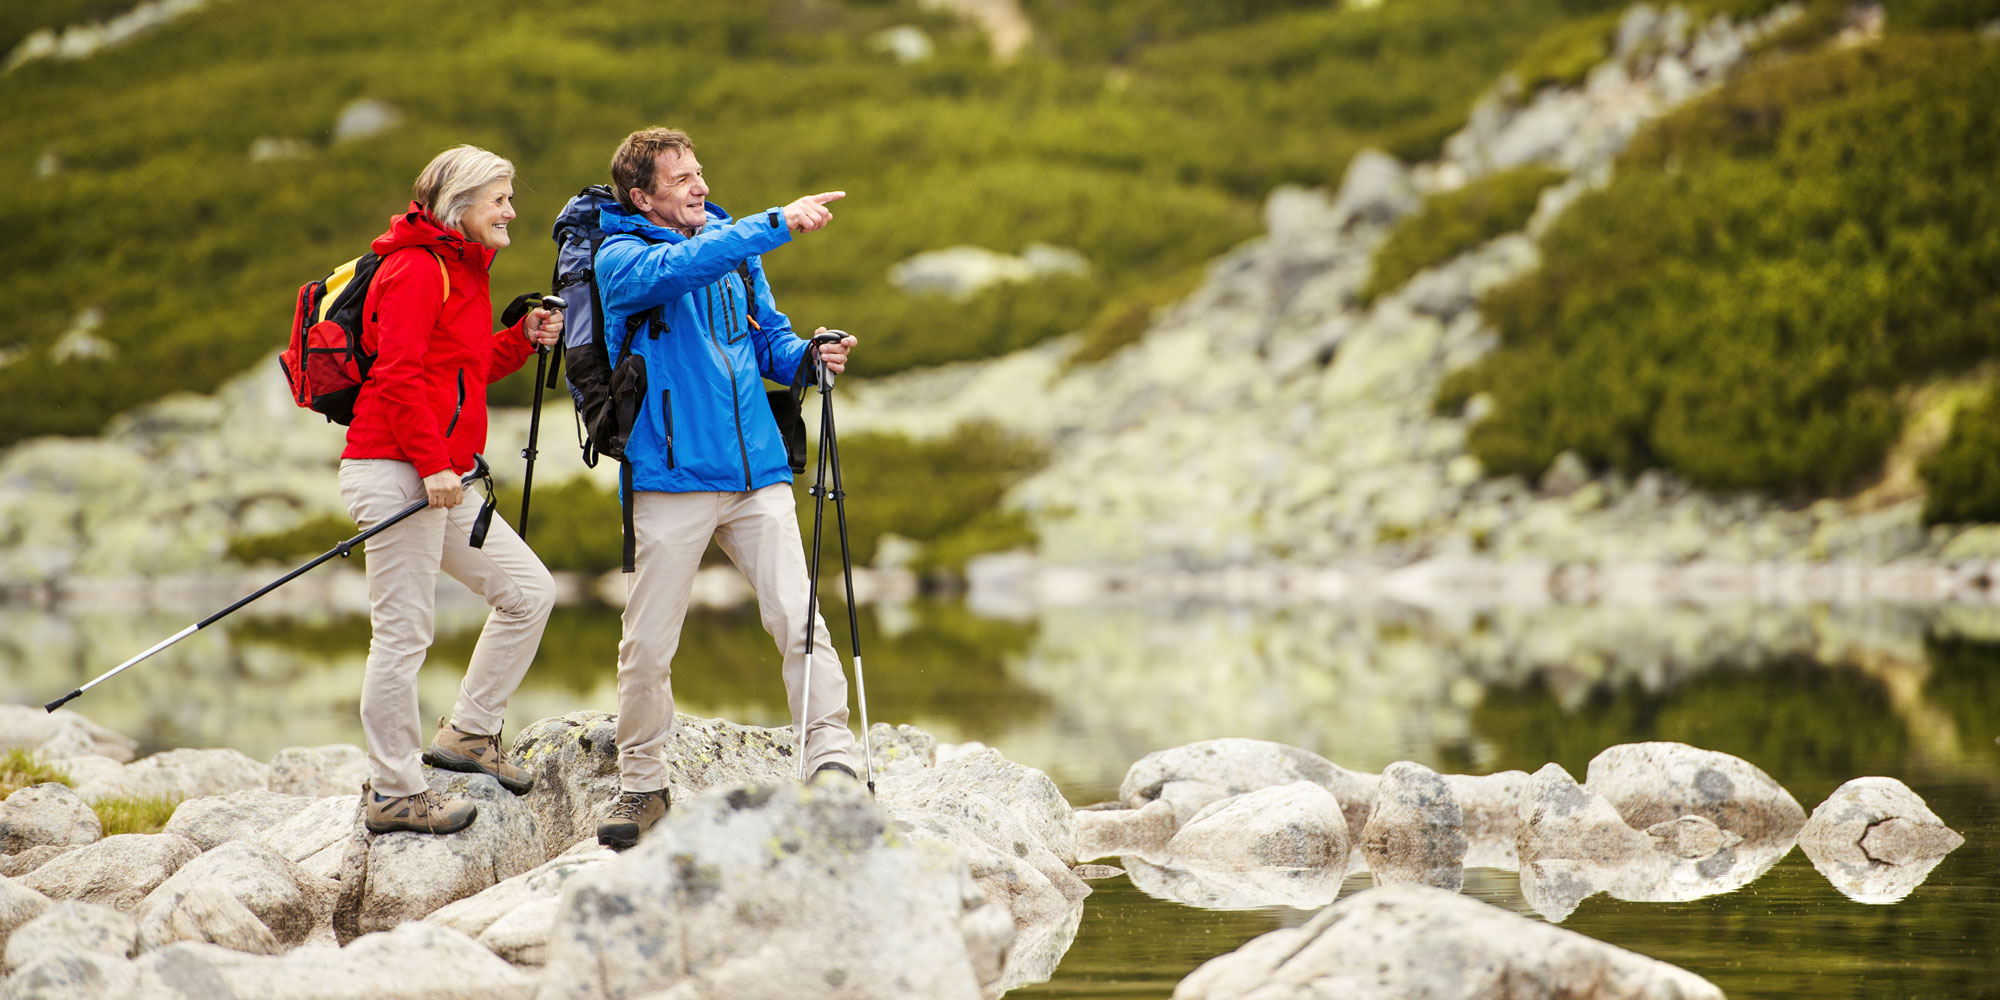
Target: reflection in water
{"type": "Point", "coordinates": [1814, 695]}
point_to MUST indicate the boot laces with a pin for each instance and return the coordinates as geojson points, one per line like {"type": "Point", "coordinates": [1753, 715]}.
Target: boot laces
{"type": "Point", "coordinates": [629, 805]}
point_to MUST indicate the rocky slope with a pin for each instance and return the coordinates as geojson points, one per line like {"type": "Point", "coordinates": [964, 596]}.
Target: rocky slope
{"type": "Point", "coordinates": [1270, 420]}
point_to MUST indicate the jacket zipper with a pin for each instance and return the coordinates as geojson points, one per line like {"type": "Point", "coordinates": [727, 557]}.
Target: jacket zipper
{"type": "Point", "coordinates": [735, 396]}
{"type": "Point", "coordinates": [667, 409]}
{"type": "Point", "coordinates": [458, 407]}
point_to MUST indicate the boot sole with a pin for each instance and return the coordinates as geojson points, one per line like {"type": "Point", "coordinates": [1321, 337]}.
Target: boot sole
{"type": "Point", "coordinates": [436, 757]}
{"type": "Point", "coordinates": [411, 828]}
{"type": "Point", "coordinates": [616, 842]}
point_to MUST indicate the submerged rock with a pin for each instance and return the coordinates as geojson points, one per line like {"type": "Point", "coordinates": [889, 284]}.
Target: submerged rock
{"type": "Point", "coordinates": [1405, 942]}
{"type": "Point", "coordinates": [117, 871]}
{"type": "Point", "coordinates": [1876, 840]}
{"type": "Point", "coordinates": [1653, 783]}
{"type": "Point", "coordinates": [1191, 777]}
{"type": "Point", "coordinates": [776, 890]}
{"type": "Point", "coordinates": [1417, 831]}
{"type": "Point", "coordinates": [46, 815]}
{"type": "Point", "coordinates": [1243, 889]}
{"type": "Point", "coordinates": [1285, 826]}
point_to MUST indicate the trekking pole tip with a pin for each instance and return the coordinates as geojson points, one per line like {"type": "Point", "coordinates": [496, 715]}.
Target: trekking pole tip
{"type": "Point", "coordinates": [65, 699]}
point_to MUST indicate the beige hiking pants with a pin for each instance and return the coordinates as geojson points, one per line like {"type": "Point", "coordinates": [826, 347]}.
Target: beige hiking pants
{"type": "Point", "coordinates": [759, 531]}
{"type": "Point", "coordinates": [403, 564]}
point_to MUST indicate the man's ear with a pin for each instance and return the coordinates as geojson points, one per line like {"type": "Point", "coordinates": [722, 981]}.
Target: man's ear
{"type": "Point", "coordinates": [640, 200]}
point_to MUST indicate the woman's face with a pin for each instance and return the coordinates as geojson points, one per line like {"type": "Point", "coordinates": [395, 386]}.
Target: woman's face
{"type": "Point", "coordinates": [486, 221]}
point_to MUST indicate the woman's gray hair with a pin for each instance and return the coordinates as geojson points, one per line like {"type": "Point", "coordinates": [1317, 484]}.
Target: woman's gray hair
{"type": "Point", "coordinates": [446, 187]}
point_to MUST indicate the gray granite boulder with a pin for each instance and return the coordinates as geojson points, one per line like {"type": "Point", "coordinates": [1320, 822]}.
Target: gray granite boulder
{"type": "Point", "coordinates": [177, 775]}
{"type": "Point", "coordinates": [292, 902]}
{"type": "Point", "coordinates": [17, 865]}
{"type": "Point", "coordinates": [417, 961]}
{"type": "Point", "coordinates": [1285, 826]}
{"type": "Point", "coordinates": [239, 815]}
{"type": "Point", "coordinates": [515, 916]}
{"type": "Point", "coordinates": [18, 905]}
{"type": "Point", "coordinates": [1376, 190]}
{"type": "Point", "coordinates": [60, 735]}
{"type": "Point", "coordinates": [83, 975]}
{"type": "Point", "coordinates": [318, 772]}
{"type": "Point", "coordinates": [316, 836]}
{"type": "Point", "coordinates": [393, 878]}
{"type": "Point", "coordinates": [208, 914]}
{"type": "Point", "coordinates": [1416, 833]}
{"type": "Point", "coordinates": [1876, 840]}
{"type": "Point", "coordinates": [776, 890]}
{"type": "Point", "coordinates": [1422, 943]}
{"type": "Point", "coordinates": [574, 760]}
{"type": "Point", "coordinates": [1652, 783]}
{"type": "Point", "coordinates": [46, 815]}
{"type": "Point", "coordinates": [67, 928]}
{"type": "Point", "coordinates": [117, 871]}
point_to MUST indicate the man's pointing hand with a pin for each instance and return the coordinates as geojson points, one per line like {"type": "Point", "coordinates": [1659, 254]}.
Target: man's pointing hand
{"type": "Point", "coordinates": [810, 212]}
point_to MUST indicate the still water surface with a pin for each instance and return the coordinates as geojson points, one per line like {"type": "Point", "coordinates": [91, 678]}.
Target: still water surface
{"type": "Point", "coordinates": [1814, 695]}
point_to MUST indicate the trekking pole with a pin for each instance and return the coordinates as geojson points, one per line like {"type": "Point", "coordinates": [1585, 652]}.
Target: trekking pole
{"type": "Point", "coordinates": [829, 453]}
{"type": "Point", "coordinates": [479, 471]}
{"type": "Point", "coordinates": [535, 416]}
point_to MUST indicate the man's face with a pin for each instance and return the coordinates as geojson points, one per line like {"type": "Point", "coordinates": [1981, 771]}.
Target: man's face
{"type": "Point", "coordinates": [679, 196]}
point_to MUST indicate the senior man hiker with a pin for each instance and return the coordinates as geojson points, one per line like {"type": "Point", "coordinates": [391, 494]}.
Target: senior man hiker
{"type": "Point", "coordinates": [705, 456]}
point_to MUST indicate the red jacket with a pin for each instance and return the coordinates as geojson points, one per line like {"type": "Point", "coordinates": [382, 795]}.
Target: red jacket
{"type": "Point", "coordinates": [425, 400]}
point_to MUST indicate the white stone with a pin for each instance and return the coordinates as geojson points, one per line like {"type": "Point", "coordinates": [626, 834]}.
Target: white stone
{"type": "Point", "coordinates": [1416, 941]}
{"type": "Point", "coordinates": [46, 815]}
{"type": "Point", "coordinates": [117, 871]}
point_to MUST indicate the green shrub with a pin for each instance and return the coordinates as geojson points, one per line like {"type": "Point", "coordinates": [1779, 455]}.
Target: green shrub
{"type": "Point", "coordinates": [1768, 268]}
{"type": "Point", "coordinates": [1456, 221]}
{"type": "Point", "coordinates": [1939, 15]}
{"type": "Point", "coordinates": [1562, 57]}
{"type": "Point", "coordinates": [23, 768]}
{"type": "Point", "coordinates": [134, 814]}
{"type": "Point", "coordinates": [1964, 474]}
{"type": "Point", "coordinates": [1123, 320]}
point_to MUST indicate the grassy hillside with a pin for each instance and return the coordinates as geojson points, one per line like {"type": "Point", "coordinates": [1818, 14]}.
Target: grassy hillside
{"type": "Point", "coordinates": [1766, 275]}
{"type": "Point", "coordinates": [1140, 133]}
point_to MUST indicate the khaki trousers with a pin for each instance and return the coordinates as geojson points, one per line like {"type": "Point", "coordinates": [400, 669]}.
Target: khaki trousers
{"type": "Point", "coordinates": [759, 530]}
{"type": "Point", "coordinates": [403, 564]}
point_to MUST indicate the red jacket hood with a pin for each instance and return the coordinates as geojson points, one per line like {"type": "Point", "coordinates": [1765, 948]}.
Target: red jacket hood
{"type": "Point", "coordinates": [416, 228]}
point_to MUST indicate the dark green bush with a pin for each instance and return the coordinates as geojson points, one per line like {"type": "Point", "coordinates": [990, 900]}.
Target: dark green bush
{"type": "Point", "coordinates": [1456, 221]}
{"type": "Point", "coordinates": [1964, 474]}
{"type": "Point", "coordinates": [1141, 133]}
{"type": "Point", "coordinates": [1768, 268]}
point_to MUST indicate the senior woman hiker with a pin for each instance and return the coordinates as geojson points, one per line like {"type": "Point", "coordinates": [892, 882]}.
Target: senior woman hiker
{"type": "Point", "coordinates": [418, 421]}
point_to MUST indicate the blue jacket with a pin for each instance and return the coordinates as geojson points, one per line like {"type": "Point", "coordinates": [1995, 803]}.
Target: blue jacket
{"type": "Point", "coordinates": [704, 424]}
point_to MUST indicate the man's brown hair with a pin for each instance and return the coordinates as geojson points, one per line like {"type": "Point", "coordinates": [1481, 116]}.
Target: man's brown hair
{"type": "Point", "coordinates": [632, 166]}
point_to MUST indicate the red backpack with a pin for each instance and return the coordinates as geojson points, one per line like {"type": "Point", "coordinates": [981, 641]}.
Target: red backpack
{"type": "Point", "coordinates": [326, 360]}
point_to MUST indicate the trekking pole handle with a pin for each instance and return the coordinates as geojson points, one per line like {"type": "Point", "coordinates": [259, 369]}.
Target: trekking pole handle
{"type": "Point", "coordinates": [819, 369]}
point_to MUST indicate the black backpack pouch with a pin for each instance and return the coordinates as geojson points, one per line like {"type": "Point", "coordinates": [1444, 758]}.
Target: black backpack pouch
{"type": "Point", "coordinates": [785, 409]}
{"type": "Point", "coordinates": [628, 394]}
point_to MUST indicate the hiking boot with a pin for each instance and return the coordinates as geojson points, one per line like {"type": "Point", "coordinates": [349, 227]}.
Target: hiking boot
{"type": "Point", "coordinates": [424, 812]}
{"type": "Point", "coordinates": [454, 749]}
{"type": "Point", "coordinates": [833, 767]}
{"type": "Point", "coordinates": [633, 814]}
